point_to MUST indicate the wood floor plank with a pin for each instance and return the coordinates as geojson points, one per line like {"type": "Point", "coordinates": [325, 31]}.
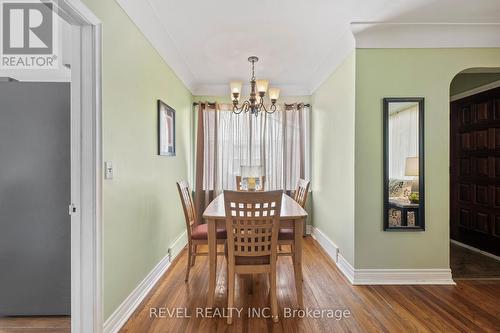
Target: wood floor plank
{"type": "Point", "coordinates": [35, 324]}
{"type": "Point", "coordinates": [470, 306]}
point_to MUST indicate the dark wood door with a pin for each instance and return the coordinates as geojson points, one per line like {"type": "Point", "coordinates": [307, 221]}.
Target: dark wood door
{"type": "Point", "coordinates": [475, 171]}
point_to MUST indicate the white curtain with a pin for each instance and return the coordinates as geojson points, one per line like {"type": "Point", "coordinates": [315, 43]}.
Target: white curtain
{"type": "Point", "coordinates": [278, 142]}
{"type": "Point", "coordinates": [403, 140]}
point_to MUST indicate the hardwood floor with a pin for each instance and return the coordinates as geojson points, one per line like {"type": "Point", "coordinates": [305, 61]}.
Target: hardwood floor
{"type": "Point", "coordinates": [42, 324]}
{"type": "Point", "coordinates": [467, 264]}
{"type": "Point", "coordinates": [470, 306]}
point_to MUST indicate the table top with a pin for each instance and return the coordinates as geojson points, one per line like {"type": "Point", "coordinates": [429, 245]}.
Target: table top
{"type": "Point", "coordinates": [290, 209]}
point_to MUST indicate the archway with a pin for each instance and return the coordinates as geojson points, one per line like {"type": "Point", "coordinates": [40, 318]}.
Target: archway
{"type": "Point", "coordinates": [475, 174]}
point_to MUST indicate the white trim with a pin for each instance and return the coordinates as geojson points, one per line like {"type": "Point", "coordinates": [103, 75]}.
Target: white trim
{"type": "Point", "coordinates": [86, 157]}
{"type": "Point", "coordinates": [380, 276]}
{"type": "Point", "coordinates": [346, 268]}
{"type": "Point", "coordinates": [468, 247]}
{"type": "Point", "coordinates": [341, 50]}
{"type": "Point", "coordinates": [486, 87]}
{"type": "Point", "coordinates": [328, 246]}
{"type": "Point", "coordinates": [145, 17]}
{"type": "Point", "coordinates": [402, 276]}
{"type": "Point", "coordinates": [120, 316]}
{"type": "Point", "coordinates": [425, 35]}
{"type": "Point", "coordinates": [222, 90]}
{"type": "Point", "coordinates": [332, 250]}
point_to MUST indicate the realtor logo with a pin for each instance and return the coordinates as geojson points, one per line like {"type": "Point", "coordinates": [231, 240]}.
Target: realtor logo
{"type": "Point", "coordinates": [28, 34]}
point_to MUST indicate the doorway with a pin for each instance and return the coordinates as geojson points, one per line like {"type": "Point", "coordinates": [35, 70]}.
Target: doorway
{"type": "Point", "coordinates": [84, 206]}
{"type": "Point", "coordinates": [475, 175]}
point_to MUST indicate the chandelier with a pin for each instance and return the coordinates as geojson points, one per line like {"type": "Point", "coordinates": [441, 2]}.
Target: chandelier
{"type": "Point", "coordinates": [258, 89]}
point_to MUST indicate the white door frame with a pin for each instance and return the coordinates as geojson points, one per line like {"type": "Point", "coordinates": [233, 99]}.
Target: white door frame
{"type": "Point", "coordinates": [86, 168]}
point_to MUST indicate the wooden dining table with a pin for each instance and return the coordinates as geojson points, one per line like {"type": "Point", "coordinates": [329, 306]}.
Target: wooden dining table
{"type": "Point", "coordinates": [292, 216]}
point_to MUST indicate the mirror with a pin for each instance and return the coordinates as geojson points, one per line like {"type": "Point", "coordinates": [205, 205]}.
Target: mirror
{"type": "Point", "coordinates": [404, 164]}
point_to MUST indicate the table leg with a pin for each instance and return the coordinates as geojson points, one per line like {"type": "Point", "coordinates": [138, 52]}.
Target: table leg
{"type": "Point", "coordinates": [212, 259]}
{"type": "Point", "coordinates": [297, 262]}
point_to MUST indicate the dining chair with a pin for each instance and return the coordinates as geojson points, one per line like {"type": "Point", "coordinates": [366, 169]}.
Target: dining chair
{"type": "Point", "coordinates": [286, 235]}
{"type": "Point", "coordinates": [238, 183]}
{"type": "Point", "coordinates": [197, 234]}
{"type": "Point", "coordinates": [252, 224]}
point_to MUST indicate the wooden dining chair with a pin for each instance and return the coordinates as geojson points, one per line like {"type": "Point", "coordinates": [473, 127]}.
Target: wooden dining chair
{"type": "Point", "coordinates": [238, 183]}
{"type": "Point", "coordinates": [252, 224]}
{"type": "Point", "coordinates": [197, 234]}
{"type": "Point", "coordinates": [286, 235]}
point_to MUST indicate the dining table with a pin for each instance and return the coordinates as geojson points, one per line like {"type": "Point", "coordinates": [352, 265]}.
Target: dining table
{"type": "Point", "coordinates": [292, 215]}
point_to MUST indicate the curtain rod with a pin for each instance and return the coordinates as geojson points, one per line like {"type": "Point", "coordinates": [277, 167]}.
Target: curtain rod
{"type": "Point", "coordinates": [307, 105]}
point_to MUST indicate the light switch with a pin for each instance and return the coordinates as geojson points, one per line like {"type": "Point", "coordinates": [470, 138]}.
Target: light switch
{"type": "Point", "coordinates": [108, 170]}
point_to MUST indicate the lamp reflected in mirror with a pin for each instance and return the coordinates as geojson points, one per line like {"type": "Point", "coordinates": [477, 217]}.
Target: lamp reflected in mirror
{"type": "Point", "coordinates": [403, 164]}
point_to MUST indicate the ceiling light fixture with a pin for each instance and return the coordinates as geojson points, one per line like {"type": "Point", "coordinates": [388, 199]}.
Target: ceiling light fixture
{"type": "Point", "coordinates": [258, 89]}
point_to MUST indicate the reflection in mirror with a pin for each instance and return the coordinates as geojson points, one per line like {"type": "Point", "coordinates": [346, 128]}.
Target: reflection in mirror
{"type": "Point", "coordinates": [403, 164]}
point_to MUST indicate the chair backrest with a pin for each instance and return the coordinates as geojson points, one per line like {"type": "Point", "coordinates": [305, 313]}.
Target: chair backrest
{"type": "Point", "coordinates": [300, 194]}
{"type": "Point", "coordinates": [238, 183]}
{"type": "Point", "coordinates": [252, 223]}
{"type": "Point", "coordinates": [187, 205]}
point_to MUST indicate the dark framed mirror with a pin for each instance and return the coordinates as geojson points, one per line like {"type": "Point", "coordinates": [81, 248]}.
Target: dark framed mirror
{"type": "Point", "coordinates": [404, 190]}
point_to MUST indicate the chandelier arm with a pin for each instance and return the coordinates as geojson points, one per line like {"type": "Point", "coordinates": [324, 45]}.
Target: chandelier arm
{"type": "Point", "coordinates": [272, 109]}
{"type": "Point", "coordinates": [262, 106]}
{"type": "Point", "coordinates": [246, 105]}
{"type": "Point", "coordinates": [237, 110]}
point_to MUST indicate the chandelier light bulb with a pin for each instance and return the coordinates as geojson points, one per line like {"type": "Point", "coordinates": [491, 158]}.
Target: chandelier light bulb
{"type": "Point", "coordinates": [236, 87]}
{"type": "Point", "coordinates": [274, 93]}
{"type": "Point", "coordinates": [262, 86]}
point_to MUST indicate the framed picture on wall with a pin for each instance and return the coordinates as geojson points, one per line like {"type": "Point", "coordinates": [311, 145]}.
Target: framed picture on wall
{"type": "Point", "coordinates": [166, 130]}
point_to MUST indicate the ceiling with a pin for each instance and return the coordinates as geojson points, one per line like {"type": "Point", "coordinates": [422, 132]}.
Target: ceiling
{"type": "Point", "coordinates": [299, 42]}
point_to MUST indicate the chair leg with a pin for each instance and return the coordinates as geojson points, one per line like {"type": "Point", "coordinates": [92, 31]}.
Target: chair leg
{"type": "Point", "coordinates": [195, 249]}
{"type": "Point", "coordinates": [230, 294]}
{"type": "Point", "coordinates": [274, 300]}
{"type": "Point", "coordinates": [189, 258]}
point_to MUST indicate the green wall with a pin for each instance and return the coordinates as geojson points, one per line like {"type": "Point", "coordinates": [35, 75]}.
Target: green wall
{"type": "Point", "coordinates": [396, 73]}
{"type": "Point", "coordinates": [333, 157]}
{"type": "Point", "coordinates": [467, 81]}
{"type": "Point", "coordinates": [142, 214]}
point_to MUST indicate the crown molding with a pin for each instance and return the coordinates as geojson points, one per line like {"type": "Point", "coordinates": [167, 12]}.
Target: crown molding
{"type": "Point", "coordinates": [341, 49]}
{"type": "Point", "coordinates": [145, 18]}
{"type": "Point", "coordinates": [359, 35]}
{"type": "Point", "coordinates": [223, 90]}
{"type": "Point", "coordinates": [425, 35]}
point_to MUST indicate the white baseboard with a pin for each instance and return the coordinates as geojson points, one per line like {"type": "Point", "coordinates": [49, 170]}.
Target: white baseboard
{"type": "Point", "coordinates": [380, 276]}
{"type": "Point", "coordinates": [402, 276]}
{"type": "Point", "coordinates": [120, 316]}
{"type": "Point", "coordinates": [326, 243]}
{"type": "Point", "coordinates": [346, 268]}
{"type": "Point", "coordinates": [468, 247]}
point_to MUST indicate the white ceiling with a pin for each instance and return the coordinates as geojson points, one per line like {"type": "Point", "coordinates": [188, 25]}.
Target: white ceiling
{"type": "Point", "coordinates": [299, 42]}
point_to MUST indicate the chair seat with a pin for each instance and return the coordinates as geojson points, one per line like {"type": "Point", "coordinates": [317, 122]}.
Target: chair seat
{"type": "Point", "coordinates": [244, 260]}
{"type": "Point", "coordinates": [286, 234]}
{"type": "Point", "coordinates": [200, 232]}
